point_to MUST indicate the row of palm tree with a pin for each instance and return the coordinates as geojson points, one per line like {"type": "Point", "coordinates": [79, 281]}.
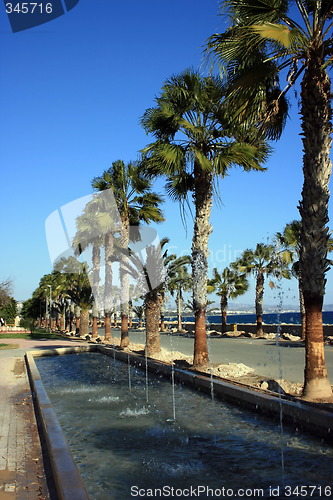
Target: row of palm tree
{"type": "Point", "coordinates": [232, 282]}
{"type": "Point", "coordinates": [264, 41]}
{"type": "Point", "coordinates": [123, 199]}
{"type": "Point", "coordinates": [195, 143]}
{"type": "Point", "coordinates": [203, 126]}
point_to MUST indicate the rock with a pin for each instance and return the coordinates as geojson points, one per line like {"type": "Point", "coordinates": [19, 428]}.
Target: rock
{"type": "Point", "coordinates": [233, 370]}
{"type": "Point", "coordinates": [246, 334]}
{"type": "Point", "coordinates": [272, 385]}
{"type": "Point", "coordinates": [289, 336]}
{"type": "Point", "coordinates": [212, 333]}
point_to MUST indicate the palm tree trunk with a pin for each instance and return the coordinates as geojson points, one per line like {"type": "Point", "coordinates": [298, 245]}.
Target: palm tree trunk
{"type": "Point", "coordinates": [224, 308]}
{"type": "Point", "coordinates": [130, 313]}
{"type": "Point", "coordinates": [179, 309]}
{"type": "Point", "coordinates": [77, 320]}
{"type": "Point", "coordinates": [259, 302]}
{"type": "Point", "coordinates": [84, 322]}
{"type": "Point", "coordinates": [152, 314]}
{"type": "Point", "coordinates": [108, 287]}
{"type": "Point", "coordinates": [316, 125]}
{"type": "Point", "coordinates": [94, 330]}
{"type": "Point", "coordinates": [107, 327]}
{"type": "Point", "coordinates": [71, 310]}
{"type": "Point", "coordinates": [96, 262]}
{"type": "Point", "coordinates": [202, 229]}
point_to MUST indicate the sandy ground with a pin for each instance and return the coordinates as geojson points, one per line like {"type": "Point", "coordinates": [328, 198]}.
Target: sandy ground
{"type": "Point", "coordinates": [238, 372]}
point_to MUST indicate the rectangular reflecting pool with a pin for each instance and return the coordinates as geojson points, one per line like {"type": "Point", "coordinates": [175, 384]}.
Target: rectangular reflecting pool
{"type": "Point", "coordinates": [127, 444]}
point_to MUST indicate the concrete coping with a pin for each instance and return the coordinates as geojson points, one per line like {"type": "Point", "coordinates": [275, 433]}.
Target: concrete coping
{"type": "Point", "coordinates": [300, 415]}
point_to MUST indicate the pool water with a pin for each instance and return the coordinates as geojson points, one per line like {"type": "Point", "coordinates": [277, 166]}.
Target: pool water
{"type": "Point", "coordinates": [126, 447]}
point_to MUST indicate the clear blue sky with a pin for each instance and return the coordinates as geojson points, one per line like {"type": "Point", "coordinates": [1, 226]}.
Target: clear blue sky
{"type": "Point", "coordinates": [72, 93]}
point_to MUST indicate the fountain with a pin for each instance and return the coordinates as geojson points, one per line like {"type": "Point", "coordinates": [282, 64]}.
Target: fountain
{"type": "Point", "coordinates": [127, 447]}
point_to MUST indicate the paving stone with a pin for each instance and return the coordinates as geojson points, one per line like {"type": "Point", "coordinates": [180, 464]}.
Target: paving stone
{"type": "Point", "coordinates": [20, 451]}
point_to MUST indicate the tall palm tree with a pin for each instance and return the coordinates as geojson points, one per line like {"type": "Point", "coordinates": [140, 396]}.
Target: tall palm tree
{"type": "Point", "coordinates": [290, 242]}
{"type": "Point", "coordinates": [261, 262]}
{"type": "Point", "coordinates": [139, 312]}
{"type": "Point", "coordinates": [96, 227]}
{"type": "Point", "coordinates": [88, 234]}
{"type": "Point", "coordinates": [73, 281]}
{"type": "Point", "coordinates": [136, 203]}
{"type": "Point", "coordinates": [228, 284]}
{"type": "Point", "coordinates": [178, 282]}
{"type": "Point", "coordinates": [263, 41]}
{"type": "Point", "coordinates": [194, 144]}
{"type": "Point", "coordinates": [151, 276]}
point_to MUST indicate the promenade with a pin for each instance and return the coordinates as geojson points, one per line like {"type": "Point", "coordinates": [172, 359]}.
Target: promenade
{"type": "Point", "coordinates": [22, 472]}
{"type": "Point", "coordinates": [24, 475]}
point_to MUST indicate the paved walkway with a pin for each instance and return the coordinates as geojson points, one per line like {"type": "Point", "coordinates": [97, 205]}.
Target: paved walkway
{"type": "Point", "coordinates": [22, 472]}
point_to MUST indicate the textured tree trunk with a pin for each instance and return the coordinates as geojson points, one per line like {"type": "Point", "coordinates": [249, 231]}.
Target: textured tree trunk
{"type": "Point", "coordinates": [224, 308]}
{"type": "Point", "coordinates": [94, 331]}
{"type": "Point", "coordinates": [316, 125]}
{"type": "Point", "coordinates": [179, 309]}
{"type": "Point", "coordinates": [108, 287]}
{"type": "Point", "coordinates": [77, 320]}
{"type": "Point", "coordinates": [84, 322]}
{"type": "Point", "coordinates": [107, 327]}
{"type": "Point", "coordinates": [130, 314]}
{"type": "Point", "coordinates": [71, 316]}
{"type": "Point", "coordinates": [96, 262]}
{"type": "Point", "coordinates": [202, 229]}
{"type": "Point", "coordinates": [152, 314]}
{"type": "Point", "coordinates": [259, 302]}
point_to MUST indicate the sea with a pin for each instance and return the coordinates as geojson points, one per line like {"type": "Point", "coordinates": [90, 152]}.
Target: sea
{"type": "Point", "coordinates": [293, 318]}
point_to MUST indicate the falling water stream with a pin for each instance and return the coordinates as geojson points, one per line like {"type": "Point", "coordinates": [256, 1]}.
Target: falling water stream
{"type": "Point", "coordinates": [121, 441]}
{"type": "Point", "coordinates": [173, 380]}
{"type": "Point", "coordinates": [147, 378]}
{"type": "Point", "coordinates": [129, 373]}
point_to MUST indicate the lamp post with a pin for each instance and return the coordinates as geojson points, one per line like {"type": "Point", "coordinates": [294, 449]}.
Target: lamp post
{"type": "Point", "coordinates": [50, 287]}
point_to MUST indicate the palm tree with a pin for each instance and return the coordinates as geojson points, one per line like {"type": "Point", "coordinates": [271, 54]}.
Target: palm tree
{"type": "Point", "coordinates": [194, 144]}
{"type": "Point", "coordinates": [179, 282]}
{"type": "Point", "coordinates": [228, 284]}
{"type": "Point", "coordinates": [172, 265]}
{"type": "Point", "coordinates": [136, 203]}
{"type": "Point", "coordinates": [261, 262]}
{"type": "Point", "coordinates": [290, 243]}
{"type": "Point", "coordinates": [139, 312]}
{"type": "Point", "coordinates": [88, 234]}
{"type": "Point", "coordinates": [263, 41]}
{"type": "Point", "coordinates": [97, 226]}
{"type": "Point", "coordinates": [73, 281]}
{"type": "Point", "coordinates": [151, 276]}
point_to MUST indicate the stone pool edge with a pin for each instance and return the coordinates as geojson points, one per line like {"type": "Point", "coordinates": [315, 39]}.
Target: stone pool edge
{"type": "Point", "coordinates": [295, 412]}
{"type": "Point", "coordinates": [67, 479]}
{"type": "Point", "coordinates": [69, 483]}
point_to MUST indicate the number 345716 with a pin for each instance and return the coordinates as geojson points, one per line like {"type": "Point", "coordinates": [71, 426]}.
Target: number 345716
{"type": "Point", "coordinates": [28, 8]}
